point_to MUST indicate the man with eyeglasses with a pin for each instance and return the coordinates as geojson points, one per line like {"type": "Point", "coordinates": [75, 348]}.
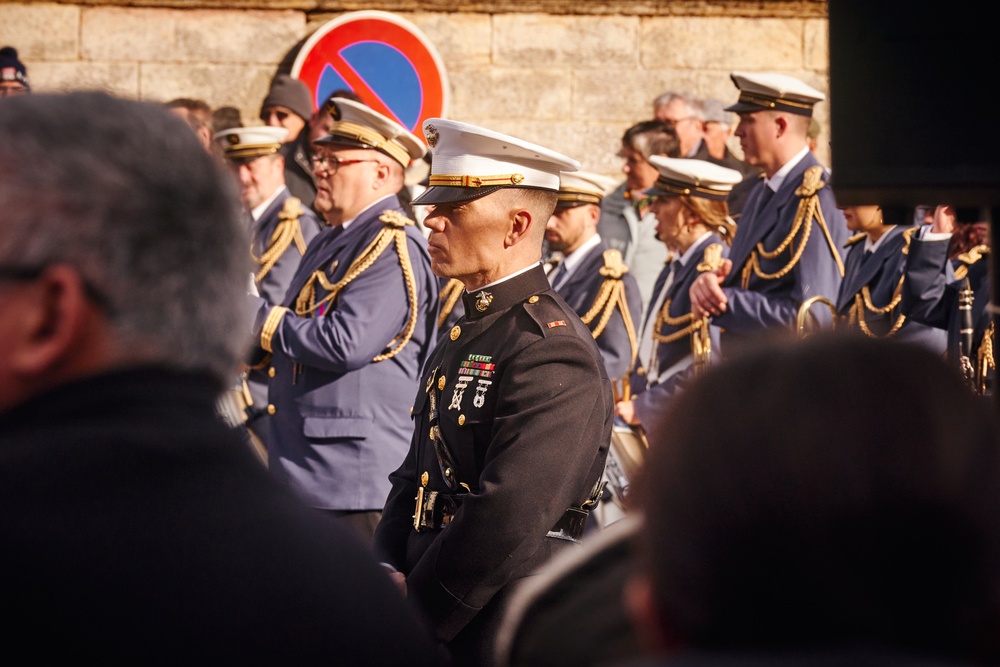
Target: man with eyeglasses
{"type": "Point", "coordinates": [138, 527]}
{"type": "Point", "coordinates": [346, 343]}
{"type": "Point", "coordinates": [281, 229]}
{"type": "Point", "coordinates": [13, 74]}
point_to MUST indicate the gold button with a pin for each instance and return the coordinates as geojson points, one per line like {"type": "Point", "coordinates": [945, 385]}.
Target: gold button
{"type": "Point", "coordinates": [271, 409]}
{"type": "Point", "coordinates": [447, 472]}
{"type": "Point", "coordinates": [533, 299]}
{"type": "Point", "coordinates": [424, 478]}
{"type": "Point", "coordinates": [456, 331]}
{"type": "Point", "coordinates": [461, 420]}
{"type": "Point", "coordinates": [441, 383]}
{"type": "Point", "coordinates": [271, 372]}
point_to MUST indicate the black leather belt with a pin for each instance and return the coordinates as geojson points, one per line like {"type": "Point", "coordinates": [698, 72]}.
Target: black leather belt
{"type": "Point", "coordinates": [435, 510]}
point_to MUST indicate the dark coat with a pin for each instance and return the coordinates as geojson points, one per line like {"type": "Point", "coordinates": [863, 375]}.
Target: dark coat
{"type": "Point", "coordinates": [520, 396]}
{"type": "Point", "coordinates": [580, 291]}
{"type": "Point", "coordinates": [273, 285]}
{"type": "Point", "coordinates": [650, 402]}
{"type": "Point", "coordinates": [138, 529]}
{"type": "Point", "coordinates": [930, 293]}
{"type": "Point", "coordinates": [298, 170]}
{"type": "Point", "coordinates": [880, 273]}
{"type": "Point", "coordinates": [774, 302]}
{"type": "Point", "coordinates": [340, 421]}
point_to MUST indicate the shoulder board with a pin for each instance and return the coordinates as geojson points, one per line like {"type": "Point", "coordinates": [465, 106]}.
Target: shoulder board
{"type": "Point", "coordinates": [614, 267]}
{"type": "Point", "coordinates": [812, 182]}
{"type": "Point", "coordinates": [395, 219]}
{"type": "Point", "coordinates": [974, 254]}
{"type": "Point", "coordinates": [855, 239]}
{"type": "Point", "coordinates": [292, 209]}
{"type": "Point", "coordinates": [551, 318]}
{"type": "Point", "coordinates": [712, 259]}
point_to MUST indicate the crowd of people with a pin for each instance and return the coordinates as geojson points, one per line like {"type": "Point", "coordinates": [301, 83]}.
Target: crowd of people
{"type": "Point", "coordinates": [319, 388]}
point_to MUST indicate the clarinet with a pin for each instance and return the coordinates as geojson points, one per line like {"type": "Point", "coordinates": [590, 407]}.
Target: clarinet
{"type": "Point", "coordinates": [965, 296]}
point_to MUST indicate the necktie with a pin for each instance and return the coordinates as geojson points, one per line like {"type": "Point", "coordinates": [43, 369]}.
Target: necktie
{"type": "Point", "coordinates": [557, 275]}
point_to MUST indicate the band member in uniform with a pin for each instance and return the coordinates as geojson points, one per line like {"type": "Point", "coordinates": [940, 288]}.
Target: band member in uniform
{"type": "Point", "coordinates": [689, 202]}
{"type": "Point", "coordinates": [871, 294]}
{"type": "Point", "coordinates": [787, 248]}
{"type": "Point", "coordinates": [591, 277]}
{"type": "Point", "coordinates": [280, 229]}
{"type": "Point", "coordinates": [953, 295]}
{"type": "Point", "coordinates": [513, 416]}
{"type": "Point", "coordinates": [348, 340]}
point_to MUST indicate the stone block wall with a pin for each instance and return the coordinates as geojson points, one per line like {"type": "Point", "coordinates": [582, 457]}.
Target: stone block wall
{"type": "Point", "coordinates": [570, 81]}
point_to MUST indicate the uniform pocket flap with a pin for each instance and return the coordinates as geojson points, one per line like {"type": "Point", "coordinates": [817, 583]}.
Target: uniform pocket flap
{"type": "Point", "coordinates": [337, 427]}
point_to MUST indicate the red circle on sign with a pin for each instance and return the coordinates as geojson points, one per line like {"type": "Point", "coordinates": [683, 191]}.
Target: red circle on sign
{"type": "Point", "coordinates": [327, 44]}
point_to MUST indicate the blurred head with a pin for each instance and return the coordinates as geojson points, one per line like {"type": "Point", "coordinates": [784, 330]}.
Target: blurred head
{"type": "Point", "coordinates": [686, 114]}
{"type": "Point", "coordinates": [198, 115]}
{"type": "Point", "coordinates": [570, 226]}
{"type": "Point", "coordinates": [642, 140]}
{"type": "Point", "coordinates": [288, 104]}
{"type": "Point", "coordinates": [13, 74]}
{"type": "Point", "coordinates": [787, 509]}
{"type": "Point", "coordinates": [119, 244]}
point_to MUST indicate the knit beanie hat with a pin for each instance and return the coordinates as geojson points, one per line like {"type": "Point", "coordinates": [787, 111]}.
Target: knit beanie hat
{"type": "Point", "coordinates": [12, 69]}
{"type": "Point", "coordinates": [290, 93]}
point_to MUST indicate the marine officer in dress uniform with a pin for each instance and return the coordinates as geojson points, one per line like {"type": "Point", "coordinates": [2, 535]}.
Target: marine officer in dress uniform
{"type": "Point", "coordinates": [513, 416]}
{"type": "Point", "coordinates": [348, 340]}
{"type": "Point", "coordinates": [591, 277]}
{"type": "Point", "coordinates": [689, 202]}
{"type": "Point", "coordinates": [871, 293]}
{"type": "Point", "coordinates": [788, 245]}
{"type": "Point", "coordinates": [280, 230]}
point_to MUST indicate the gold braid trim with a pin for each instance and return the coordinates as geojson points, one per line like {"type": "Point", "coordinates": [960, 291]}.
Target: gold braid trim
{"type": "Point", "coordinates": [287, 231]}
{"type": "Point", "coordinates": [450, 294]}
{"type": "Point", "coordinates": [969, 258]}
{"type": "Point", "coordinates": [985, 359]}
{"type": "Point", "coordinates": [863, 303]}
{"type": "Point", "coordinates": [270, 327]}
{"type": "Point", "coordinates": [809, 209]}
{"type": "Point", "coordinates": [612, 296]}
{"type": "Point", "coordinates": [393, 232]}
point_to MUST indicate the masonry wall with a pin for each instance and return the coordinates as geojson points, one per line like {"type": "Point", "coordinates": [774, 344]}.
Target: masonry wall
{"type": "Point", "coordinates": [570, 81]}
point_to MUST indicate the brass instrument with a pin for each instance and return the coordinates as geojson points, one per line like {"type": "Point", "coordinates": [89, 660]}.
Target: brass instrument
{"type": "Point", "coordinates": [701, 346]}
{"type": "Point", "coordinates": [626, 453]}
{"type": "Point", "coordinates": [806, 308]}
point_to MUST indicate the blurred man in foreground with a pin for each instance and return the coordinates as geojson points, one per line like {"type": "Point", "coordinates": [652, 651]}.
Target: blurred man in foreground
{"type": "Point", "coordinates": [138, 528]}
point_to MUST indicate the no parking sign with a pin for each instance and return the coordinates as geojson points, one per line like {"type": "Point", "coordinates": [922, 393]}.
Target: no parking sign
{"type": "Point", "coordinates": [387, 61]}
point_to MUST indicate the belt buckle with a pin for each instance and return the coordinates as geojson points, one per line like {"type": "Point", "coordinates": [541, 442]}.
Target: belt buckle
{"type": "Point", "coordinates": [427, 511]}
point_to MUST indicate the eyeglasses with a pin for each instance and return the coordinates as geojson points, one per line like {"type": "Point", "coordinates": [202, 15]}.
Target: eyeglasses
{"type": "Point", "coordinates": [331, 163]}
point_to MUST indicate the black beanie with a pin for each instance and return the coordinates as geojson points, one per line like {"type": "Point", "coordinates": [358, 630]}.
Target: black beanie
{"type": "Point", "coordinates": [12, 69]}
{"type": "Point", "coordinates": [290, 93]}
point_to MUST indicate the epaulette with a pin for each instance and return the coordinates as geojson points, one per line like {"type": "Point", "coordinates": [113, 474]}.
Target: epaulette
{"type": "Point", "coordinates": [395, 219]}
{"type": "Point", "coordinates": [614, 267]}
{"type": "Point", "coordinates": [712, 259]}
{"type": "Point", "coordinates": [812, 182]}
{"type": "Point", "coordinates": [292, 209]}
{"type": "Point", "coordinates": [855, 239]}
{"type": "Point", "coordinates": [549, 315]}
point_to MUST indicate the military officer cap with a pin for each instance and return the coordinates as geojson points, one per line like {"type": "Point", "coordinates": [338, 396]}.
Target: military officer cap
{"type": "Point", "coordinates": [582, 187]}
{"type": "Point", "coordinates": [357, 125]}
{"type": "Point", "coordinates": [774, 92]}
{"type": "Point", "coordinates": [471, 162]}
{"type": "Point", "coordinates": [247, 143]}
{"type": "Point", "coordinates": [694, 178]}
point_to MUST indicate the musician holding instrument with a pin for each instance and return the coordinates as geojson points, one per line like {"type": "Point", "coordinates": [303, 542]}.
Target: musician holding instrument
{"type": "Point", "coordinates": [590, 276]}
{"type": "Point", "coordinates": [689, 202]}
{"type": "Point", "coordinates": [788, 247]}
{"type": "Point", "coordinates": [870, 298]}
{"type": "Point", "coordinates": [953, 294]}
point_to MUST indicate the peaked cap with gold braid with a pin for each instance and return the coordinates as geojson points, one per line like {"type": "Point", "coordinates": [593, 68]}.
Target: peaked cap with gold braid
{"type": "Point", "coordinates": [359, 126]}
